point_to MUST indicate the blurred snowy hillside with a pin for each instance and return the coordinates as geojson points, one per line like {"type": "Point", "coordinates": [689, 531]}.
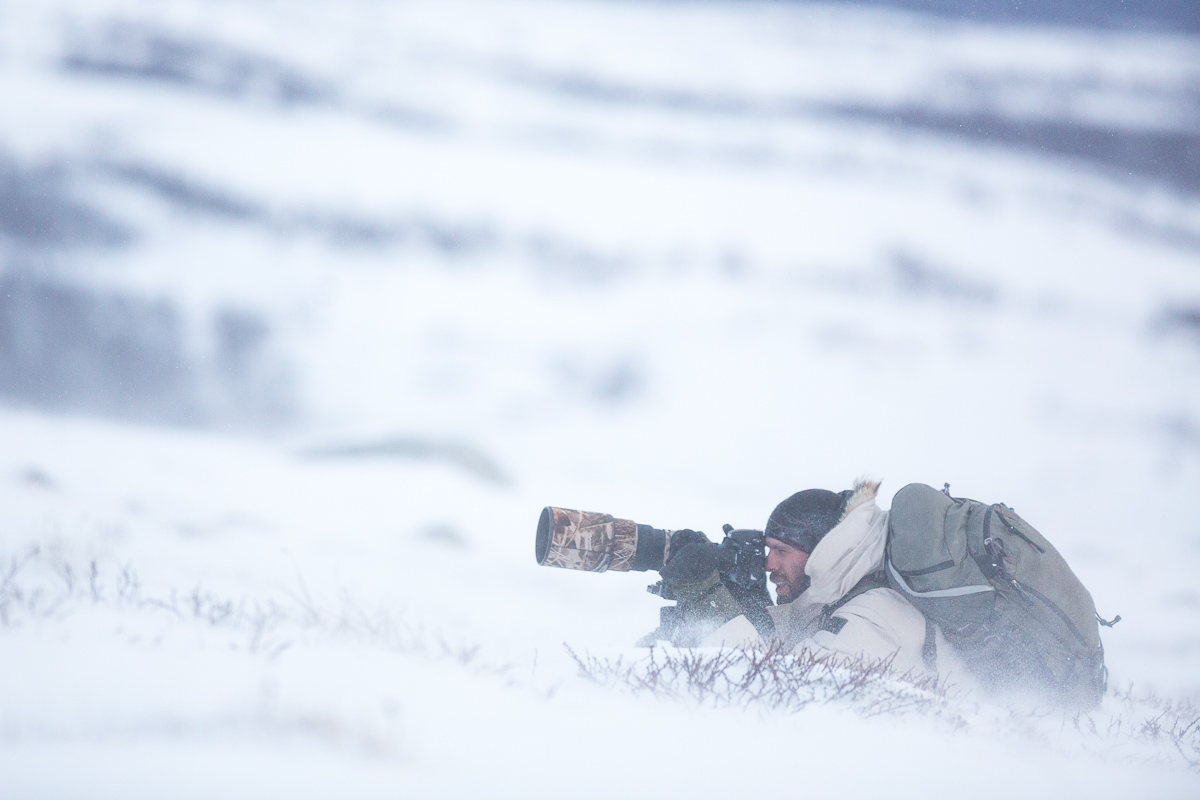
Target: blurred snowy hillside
{"type": "Point", "coordinates": [325, 300]}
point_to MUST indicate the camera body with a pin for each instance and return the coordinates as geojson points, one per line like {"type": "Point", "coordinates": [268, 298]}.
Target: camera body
{"type": "Point", "coordinates": [742, 562]}
{"type": "Point", "coordinates": [744, 559]}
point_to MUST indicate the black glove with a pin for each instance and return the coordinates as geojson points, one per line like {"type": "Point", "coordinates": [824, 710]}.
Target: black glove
{"type": "Point", "coordinates": [693, 563]}
{"type": "Point", "coordinates": [705, 603]}
{"type": "Point", "coordinates": [682, 538]}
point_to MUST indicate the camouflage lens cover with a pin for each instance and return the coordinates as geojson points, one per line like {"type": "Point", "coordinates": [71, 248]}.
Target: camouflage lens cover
{"type": "Point", "coordinates": [585, 540]}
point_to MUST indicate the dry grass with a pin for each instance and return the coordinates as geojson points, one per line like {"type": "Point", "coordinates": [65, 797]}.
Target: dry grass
{"type": "Point", "coordinates": [36, 587]}
{"type": "Point", "coordinates": [770, 678]}
{"type": "Point", "coordinates": [1137, 728]}
{"type": "Point", "coordinates": [1154, 725]}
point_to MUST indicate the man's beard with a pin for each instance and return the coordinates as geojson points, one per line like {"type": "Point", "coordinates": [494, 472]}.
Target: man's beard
{"type": "Point", "coordinates": [786, 591]}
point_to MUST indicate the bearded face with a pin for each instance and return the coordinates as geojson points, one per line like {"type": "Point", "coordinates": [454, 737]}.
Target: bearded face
{"type": "Point", "coordinates": [785, 568]}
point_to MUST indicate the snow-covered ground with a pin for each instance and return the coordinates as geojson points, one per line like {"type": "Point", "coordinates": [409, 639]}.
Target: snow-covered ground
{"type": "Point", "coordinates": [309, 308]}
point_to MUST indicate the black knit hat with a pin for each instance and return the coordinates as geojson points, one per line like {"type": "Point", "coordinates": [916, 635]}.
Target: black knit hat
{"type": "Point", "coordinates": [805, 517]}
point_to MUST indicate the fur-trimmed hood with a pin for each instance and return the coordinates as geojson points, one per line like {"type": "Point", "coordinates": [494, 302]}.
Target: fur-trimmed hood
{"type": "Point", "coordinates": [851, 551]}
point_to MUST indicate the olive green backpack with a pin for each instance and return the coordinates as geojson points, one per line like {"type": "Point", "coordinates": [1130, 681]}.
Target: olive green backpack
{"type": "Point", "coordinates": [1002, 595]}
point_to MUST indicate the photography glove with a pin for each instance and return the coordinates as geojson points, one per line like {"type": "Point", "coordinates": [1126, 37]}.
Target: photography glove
{"type": "Point", "coordinates": [694, 563]}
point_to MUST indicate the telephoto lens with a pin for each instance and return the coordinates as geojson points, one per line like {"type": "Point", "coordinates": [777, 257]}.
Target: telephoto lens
{"type": "Point", "coordinates": [594, 542]}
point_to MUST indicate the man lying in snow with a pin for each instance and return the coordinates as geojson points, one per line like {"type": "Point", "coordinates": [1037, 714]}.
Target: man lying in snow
{"type": "Point", "coordinates": [854, 580]}
{"type": "Point", "coordinates": [825, 557]}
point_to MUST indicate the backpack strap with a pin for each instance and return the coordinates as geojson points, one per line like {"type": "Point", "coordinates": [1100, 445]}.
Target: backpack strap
{"type": "Point", "coordinates": [929, 648]}
{"type": "Point", "coordinates": [828, 622]}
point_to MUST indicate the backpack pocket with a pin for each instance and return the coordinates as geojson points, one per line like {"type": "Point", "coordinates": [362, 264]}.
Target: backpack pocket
{"type": "Point", "coordinates": [929, 558]}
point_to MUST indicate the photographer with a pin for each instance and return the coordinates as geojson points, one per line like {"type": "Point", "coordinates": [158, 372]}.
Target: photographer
{"type": "Point", "coordinates": [826, 558]}
{"type": "Point", "coordinates": [940, 585]}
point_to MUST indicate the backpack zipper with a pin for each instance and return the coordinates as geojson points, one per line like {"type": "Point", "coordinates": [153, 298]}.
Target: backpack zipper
{"type": "Point", "coordinates": [1020, 535]}
{"type": "Point", "coordinates": [1050, 604]}
{"type": "Point", "coordinates": [995, 550]}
